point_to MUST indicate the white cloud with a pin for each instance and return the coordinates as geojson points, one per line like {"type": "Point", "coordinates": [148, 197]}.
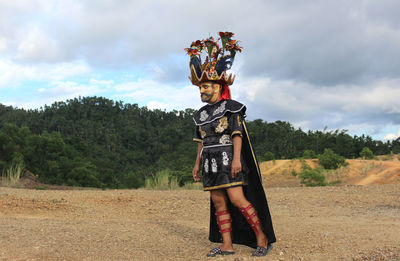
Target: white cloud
{"type": "Point", "coordinates": [158, 95]}
{"type": "Point", "coordinates": [38, 46]}
{"type": "Point", "coordinates": [392, 136]}
{"type": "Point", "coordinates": [157, 105]}
{"type": "Point", "coordinates": [58, 91]}
{"type": "Point", "coordinates": [101, 82]}
{"type": "Point", "coordinates": [12, 74]}
{"type": "Point", "coordinates": [309, 106]}
{"type": "Point", "coordinates": [3, 45]}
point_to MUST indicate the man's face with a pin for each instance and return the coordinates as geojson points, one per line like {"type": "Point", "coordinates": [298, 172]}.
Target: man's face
{"type": "Point", "coordinates": [209, 92]}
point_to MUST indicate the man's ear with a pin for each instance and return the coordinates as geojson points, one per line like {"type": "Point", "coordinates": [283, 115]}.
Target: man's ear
{"type": "Point", "coordinates": [216, 85]}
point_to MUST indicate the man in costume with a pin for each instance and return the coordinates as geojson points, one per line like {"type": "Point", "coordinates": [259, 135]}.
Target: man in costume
{"type": "Point", "coordinates": [239, 208]}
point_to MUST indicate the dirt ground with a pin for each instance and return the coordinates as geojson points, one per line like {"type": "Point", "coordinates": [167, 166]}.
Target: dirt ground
{"type": "Point", "coordinates": [279, 173]}
{"type": "Point", "coordinates": [322, 223]}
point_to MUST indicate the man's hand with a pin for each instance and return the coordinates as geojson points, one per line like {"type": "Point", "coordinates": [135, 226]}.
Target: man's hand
{"type": "Point", "coordinates": [195, 173]}
{"type": "Point", "coordinates": [236, 167]}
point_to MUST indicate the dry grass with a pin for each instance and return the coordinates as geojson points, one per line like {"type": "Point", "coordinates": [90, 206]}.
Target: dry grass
{"type": "Point", "coordinates": [11, 176]}
{"type": "Point", "coordinates": [163, 180]}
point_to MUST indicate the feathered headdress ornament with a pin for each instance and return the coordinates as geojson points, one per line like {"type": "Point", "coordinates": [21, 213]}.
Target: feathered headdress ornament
{"type": "Point", "coordinates": [218, 60]}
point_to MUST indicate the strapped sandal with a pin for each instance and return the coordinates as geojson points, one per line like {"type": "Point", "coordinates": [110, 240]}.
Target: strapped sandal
{"type": "Point", "coordinates": [249, 217]}
{"type": "Point", "coordinates": [263, 251]}
{"type": "Point", "coordinates": [217, 251]}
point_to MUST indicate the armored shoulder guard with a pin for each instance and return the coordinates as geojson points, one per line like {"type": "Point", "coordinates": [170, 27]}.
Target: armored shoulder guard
{"type": "Point", "coordinates": [212, 112]}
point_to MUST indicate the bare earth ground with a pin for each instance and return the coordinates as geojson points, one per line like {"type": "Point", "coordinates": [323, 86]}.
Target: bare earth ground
{"type": "Point", "coordinates": [359, 172]}
{"type": "Point", "coordinates": [323, 223]}
{"type": "Point", "coordinates": [346, 222]}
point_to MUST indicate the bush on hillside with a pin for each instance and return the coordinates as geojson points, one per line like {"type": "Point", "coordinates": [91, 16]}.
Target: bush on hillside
{"type": "Point", "coordinates": [331, 160]}
{"type": "Point", "coordinates": [268, 156]}
{"type": "Point", "coordinates": [366, 153]}
{"type": "Point", "coordinates": [309, 154]}
{"type": "Point", "coordinates": [312, 177]}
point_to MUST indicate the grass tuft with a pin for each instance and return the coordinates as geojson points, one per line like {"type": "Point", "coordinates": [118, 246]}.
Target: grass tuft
{"type": "Point", "coordinates": [12, 175]}
{"type": "Point", "coordinates": [163, 180]}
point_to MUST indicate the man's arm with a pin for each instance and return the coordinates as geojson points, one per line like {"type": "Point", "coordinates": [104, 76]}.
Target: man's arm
{"type": "Point", "coordinates": [237, 148]}
{"type": "Point", "coordinates": [196, 169]}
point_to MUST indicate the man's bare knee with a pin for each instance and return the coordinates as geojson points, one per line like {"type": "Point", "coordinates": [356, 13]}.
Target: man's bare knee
{"type": "Point", "coordinates": [238, 202]}
{"type": "Point", "coordinates": [237, 197]}
{"type": "Point", "coordinates": [219, 199]}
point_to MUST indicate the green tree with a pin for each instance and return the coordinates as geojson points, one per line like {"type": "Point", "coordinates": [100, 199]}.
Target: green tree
{"type": "Point", "coordinates": [268, 156]}
{"type": "Point", "coordinates": [366, 153]}
{"type": "Point", "coordinates": [309, 154]}
{"type": "Point", "coordinates": [331, 160]}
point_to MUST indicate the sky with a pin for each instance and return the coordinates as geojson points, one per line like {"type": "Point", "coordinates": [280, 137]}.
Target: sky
{"type": "Point", "coordinates": [331, 64]}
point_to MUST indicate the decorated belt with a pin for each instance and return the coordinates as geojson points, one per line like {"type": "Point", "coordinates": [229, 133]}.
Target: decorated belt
{"type": "Point", "coordinates": [216, 145]}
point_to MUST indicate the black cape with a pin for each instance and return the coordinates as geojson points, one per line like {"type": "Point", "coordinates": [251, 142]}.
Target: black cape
{"type": "Point", "coordinates": [242, 233]}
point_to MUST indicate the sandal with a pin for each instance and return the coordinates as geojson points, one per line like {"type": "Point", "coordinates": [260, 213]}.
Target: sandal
{"type": "Point", "coordinates": [217, 251]}
{"type": "Point", "coordinates": [263, 251]}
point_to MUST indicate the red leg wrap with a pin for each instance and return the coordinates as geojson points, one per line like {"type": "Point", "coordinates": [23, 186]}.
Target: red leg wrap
{"type": "Point", "coordinates": [225, 221]}
{"type": "Point", "coordinates": [249, 217]}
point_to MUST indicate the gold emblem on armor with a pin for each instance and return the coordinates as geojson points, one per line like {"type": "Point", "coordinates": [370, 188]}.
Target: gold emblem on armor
{"type": "Point", "coordinates": [223, 125]}
{"type": "Point", "coordinates": [202, 133]}
{"type": "Point", "coordinates": [239, 122]}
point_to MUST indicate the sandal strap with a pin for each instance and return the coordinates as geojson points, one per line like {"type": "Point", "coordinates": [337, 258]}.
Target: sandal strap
{"type": "Point", "coordinates": [216, 250]}
{"type": "Point", "coordinates": [263, 251]}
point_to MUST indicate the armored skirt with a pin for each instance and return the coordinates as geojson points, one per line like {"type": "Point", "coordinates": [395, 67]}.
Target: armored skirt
{"type": "Point", "coordinates": [217, 168]}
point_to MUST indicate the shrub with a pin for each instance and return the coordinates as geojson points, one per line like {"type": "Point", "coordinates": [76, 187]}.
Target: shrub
{"type": "Point", "coordinates": [331, 160]}
{"type": "Point", "coordinates": [269, 156]}
{"type": "Point", "coordinates": [309, 154]}
{"type": "Point", "coordinates": [366, 153]}
{"type": "Point", "coordinates": [313, 177]}
{"type": "Point", "coordinates": [132, 180]}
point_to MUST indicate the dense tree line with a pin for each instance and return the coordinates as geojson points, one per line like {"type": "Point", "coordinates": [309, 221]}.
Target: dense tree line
{"type": "Point", "coordinates": [286, 142]}
{"type": "Point", "coordinates": [94, 141]}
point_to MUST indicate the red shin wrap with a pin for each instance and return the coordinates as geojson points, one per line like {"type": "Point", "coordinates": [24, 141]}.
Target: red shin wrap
{"type": "Point", "coordinates": [249, 217]}
{"type": "Point", "coordinates": [224, 221]}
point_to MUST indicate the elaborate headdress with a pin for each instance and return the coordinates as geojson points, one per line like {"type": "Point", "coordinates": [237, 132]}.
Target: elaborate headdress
{"type": "Point", "coordinates": [217, 62]}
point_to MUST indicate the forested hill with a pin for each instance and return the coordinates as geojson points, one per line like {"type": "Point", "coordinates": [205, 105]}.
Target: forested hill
{"type": "Point", "coordinates": [94, 141]}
